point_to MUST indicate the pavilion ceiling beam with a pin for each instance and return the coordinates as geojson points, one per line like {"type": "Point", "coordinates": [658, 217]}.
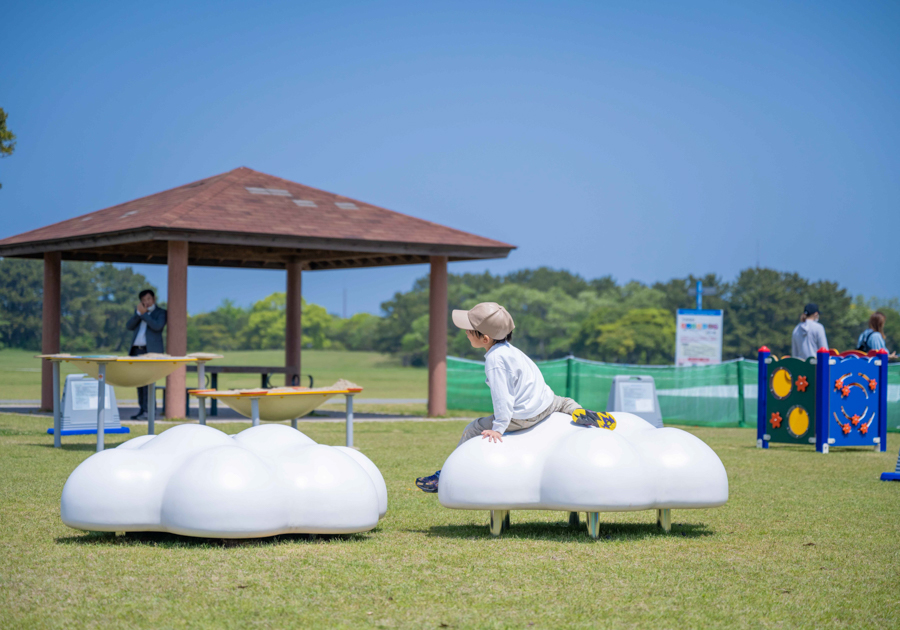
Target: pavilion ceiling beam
{"type": "Point", "coordinates": [263, 246]}
{"type": "Point", "coordinates": [331, 244]}
{"type": "Point", "coordinates": [342, 263]}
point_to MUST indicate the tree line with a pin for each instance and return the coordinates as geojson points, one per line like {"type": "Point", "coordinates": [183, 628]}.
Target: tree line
{"type": "Point", "coordinates": [556, 313]}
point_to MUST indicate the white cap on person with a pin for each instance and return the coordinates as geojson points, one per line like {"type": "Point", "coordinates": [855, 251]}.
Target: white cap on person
{"type": "Point", "coordinates": [488, 318]}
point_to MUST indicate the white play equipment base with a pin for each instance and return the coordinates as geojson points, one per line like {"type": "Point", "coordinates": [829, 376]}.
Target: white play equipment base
{"type": "Point", "coordinates": [557, 465]}
{"type": "Point", "coordinates": [194, 480]}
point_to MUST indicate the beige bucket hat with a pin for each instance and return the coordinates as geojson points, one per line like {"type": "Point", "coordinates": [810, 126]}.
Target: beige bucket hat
{"type": "Point", "coordinates": [488, 317]}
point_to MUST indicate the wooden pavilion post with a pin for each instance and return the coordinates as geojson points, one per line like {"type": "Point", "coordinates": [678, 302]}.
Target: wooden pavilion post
{"type": "Point", "coordinates": [176, 326]}
{"type": "Point", "coordinates": [293, 338]}
{"type": "Point", "coordinates": [51, 319]}
{"type": "Point", "coordinates": [437, 337]}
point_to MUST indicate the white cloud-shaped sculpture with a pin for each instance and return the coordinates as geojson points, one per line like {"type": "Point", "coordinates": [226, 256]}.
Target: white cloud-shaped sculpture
{"type": "Point", "coordinates": [558, 465]}
{"type": "Point", "coordinates": [197, 481]}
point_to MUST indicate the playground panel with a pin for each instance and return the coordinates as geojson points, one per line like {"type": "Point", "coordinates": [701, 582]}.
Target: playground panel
{"type": "Point", "coordinates": [831, 400]}
{"type": "Point", "coordinates": [791, 401]}
{"type": "Point", "coordinates": [853, 401]}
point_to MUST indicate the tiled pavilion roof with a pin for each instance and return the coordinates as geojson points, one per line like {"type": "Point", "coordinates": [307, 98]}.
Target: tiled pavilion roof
{"type": "Point", "coordinates": [244, 218]}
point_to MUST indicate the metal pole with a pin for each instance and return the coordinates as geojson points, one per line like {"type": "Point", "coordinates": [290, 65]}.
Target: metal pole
{"type": "Point", "coordinates": [349, 419]}
{"type": "Point", "coordinates": [664, 519]}
{"type": "Point", "coordinates": [742, 419]}
{"type": "Point", "coordinates": [201, 381]}
{"type": "Point", "coordinates": [214, 404]}
{"type": "Point", "coordinates": [57, 421]}
{"type": "Point", "coordinates": [151, 408]}
{"type": "Point", "coordinates": [593, 524]}
{"type": "Point", "coordinates": [101, 403]}
{"type": "Point", "coordinates": [254, 411]}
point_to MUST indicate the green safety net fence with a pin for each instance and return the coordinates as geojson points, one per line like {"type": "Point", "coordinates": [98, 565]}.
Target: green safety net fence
{"type": "Point", "coordinates": [721, 395]}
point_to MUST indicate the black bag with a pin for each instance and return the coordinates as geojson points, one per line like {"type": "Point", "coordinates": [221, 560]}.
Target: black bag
{"type": "Point", "coordinates": [864, 344]}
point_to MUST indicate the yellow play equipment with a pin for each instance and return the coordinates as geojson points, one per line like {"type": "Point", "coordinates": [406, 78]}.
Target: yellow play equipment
{"type": "Point", "coordinates": [283, 403]}
{"type": "Point", "coordinates": [139, 371]}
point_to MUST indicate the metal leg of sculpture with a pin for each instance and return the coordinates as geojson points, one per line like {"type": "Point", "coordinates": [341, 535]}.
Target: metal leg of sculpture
{"type": "Point", "coordinates": [593, 524]}
{"type": "Point", "coordinates": [499, 518]}
{"type": "Point", "coordinates": [294, 423]}
{"type": "Point", "coordinates": [57, 421]}
{"type": "Point", "coordinates": [664, 519]}
{"type": "Point", "coordinates": [254, 411]}
{"type": "Point", "coordinates": [574, 521]}
{"type": "Point", "coordinates": [349, 420]}
{"type": "Point", "coordinates": [201, 381]}
{"type": "Point", "coordinates": [101, 404]}
{"type": "Point", "coordinates": [151, 409]}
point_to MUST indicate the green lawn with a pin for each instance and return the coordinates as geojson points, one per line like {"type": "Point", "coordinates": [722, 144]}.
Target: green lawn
{"type": "Point", "coordinates": [380, 375]}
{"type": "Point", "coordinates": [805, 541]}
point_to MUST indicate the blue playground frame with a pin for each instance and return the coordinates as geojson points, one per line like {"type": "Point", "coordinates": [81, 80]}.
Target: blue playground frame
{"type": "Point", "coordinates": [89, 431]}
{"type": "Point", "coordinates": [850, 399]}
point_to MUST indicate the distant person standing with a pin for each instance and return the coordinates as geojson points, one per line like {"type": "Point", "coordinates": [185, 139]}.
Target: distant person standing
{"type": "Point", "coordinates": [809, 334]}
{"type": "Point", "coordinates": [872, 338]}
{"type": "Point", "coordinates": [147, 323]}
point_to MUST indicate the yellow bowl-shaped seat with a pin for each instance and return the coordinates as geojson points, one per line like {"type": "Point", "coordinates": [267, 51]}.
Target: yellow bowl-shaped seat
{"type": "Point", "coordinates": [132, 372]}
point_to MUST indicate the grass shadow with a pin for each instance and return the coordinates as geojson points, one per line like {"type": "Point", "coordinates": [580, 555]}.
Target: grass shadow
{"type": "Point", "coordinates": [809, 449]}
{"type": "Point", "coordinates": [562, 532]}
{"type": "Point", "coordinates": [322, 414]}
{"type": "Point", "coordinates": [176, 541]}
{"type": "Point", "coordinates": [75, 447]}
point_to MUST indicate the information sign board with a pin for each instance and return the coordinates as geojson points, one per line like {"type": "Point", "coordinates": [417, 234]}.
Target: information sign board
{"type": "Point", "coordinates": [84, 395]}
{"type": "Point", "coordinates": [79, 405]}
{"type": "Point", "coordinates": [698, 337]}
{"type": "Point", "coordinates": [637, 395]}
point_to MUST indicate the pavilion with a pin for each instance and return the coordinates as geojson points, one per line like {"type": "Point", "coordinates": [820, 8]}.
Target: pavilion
{"type": "Point", "coordinates": [247, 219]}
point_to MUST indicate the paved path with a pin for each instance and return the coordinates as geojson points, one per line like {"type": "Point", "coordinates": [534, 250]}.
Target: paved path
{"type": "Point", "coordinates": [229, 415]}
{"type": "Point", "coordinates": [195, 404]}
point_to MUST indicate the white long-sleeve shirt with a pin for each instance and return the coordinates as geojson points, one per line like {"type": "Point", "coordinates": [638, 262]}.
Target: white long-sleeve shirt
{"type": "Point", "coordinates": [517, 386]}
{"type": "Point", "coordinates": [141, 338]}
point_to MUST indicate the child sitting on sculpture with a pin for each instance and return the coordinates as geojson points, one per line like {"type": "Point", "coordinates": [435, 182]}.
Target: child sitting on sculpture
{"type": "Point", "coordinates": [520, 397]}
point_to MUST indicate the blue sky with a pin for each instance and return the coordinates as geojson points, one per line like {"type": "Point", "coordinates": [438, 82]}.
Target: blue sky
{"type": "Point", "coordinates": [639, 139]}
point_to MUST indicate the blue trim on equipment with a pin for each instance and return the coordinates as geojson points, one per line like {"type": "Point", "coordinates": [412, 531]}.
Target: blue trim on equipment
{"type": "Point", "coordinates": [89, 431]}
{"type": "Point", "coordinates": [823, 389]}
{"type": "Point", "coordinates": [882, 401]}
{"type": "Point", "coordinates": [762, 376]}
{"type": "Point", "coordinates": [890, 476]}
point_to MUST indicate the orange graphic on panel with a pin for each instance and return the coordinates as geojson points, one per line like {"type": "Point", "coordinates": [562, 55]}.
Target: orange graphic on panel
{"type": "Point", "coordinates": [775, 420]}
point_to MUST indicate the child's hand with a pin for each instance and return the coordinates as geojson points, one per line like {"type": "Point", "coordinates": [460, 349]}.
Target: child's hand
{"type": "Point", "coordinates": [493, 436]}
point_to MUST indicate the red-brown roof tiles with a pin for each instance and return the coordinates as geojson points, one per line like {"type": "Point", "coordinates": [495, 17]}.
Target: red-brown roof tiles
{"type": "Point", "coordinates": [222, 203]}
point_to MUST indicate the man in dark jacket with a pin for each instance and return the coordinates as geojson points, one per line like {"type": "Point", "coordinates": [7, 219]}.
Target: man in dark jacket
{"type": "Point", "coordinates": [147, 323]}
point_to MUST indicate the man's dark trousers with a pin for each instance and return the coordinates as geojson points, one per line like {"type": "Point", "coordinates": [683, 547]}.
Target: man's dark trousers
{"type": "Point", "coordinates": [142, 391]}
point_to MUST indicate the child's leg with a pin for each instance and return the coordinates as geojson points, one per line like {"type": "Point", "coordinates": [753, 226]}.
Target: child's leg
{"type": "Point", "coordinates": [475, 428]}
{"type": "Point", "coordinates": [564, 405]}
{"type": "Point", "coordinates": [559, 404]}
